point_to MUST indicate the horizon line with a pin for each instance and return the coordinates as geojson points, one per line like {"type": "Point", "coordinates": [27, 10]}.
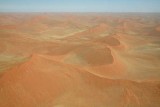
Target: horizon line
{"type": "Point", "coordinates": [73, 12]}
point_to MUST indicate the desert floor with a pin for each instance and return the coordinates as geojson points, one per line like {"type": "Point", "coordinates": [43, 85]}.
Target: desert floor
{"type": "Point", "coordinates": [79, 60]}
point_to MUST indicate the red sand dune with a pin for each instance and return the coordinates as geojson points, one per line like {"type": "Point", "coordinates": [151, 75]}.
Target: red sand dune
{"type": "Point", "coordinates": [31, 84]}
{"type": "Point", "coordinates": [79, 60]}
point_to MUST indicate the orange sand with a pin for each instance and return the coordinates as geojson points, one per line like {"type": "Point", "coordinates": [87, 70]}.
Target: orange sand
{"type": "Point", "coordinates": [79, 60]}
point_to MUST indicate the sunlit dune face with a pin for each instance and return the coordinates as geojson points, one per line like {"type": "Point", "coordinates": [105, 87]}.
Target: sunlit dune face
{"type": "Point", "coordinates": [79, 60]}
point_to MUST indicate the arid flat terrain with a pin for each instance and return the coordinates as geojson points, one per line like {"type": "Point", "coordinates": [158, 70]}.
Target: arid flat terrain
{"type": "Point", "coordinates": [79, 60]}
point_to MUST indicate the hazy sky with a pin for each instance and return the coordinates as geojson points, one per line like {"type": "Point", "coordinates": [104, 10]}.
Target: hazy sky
{"type": "Point", "coordinates": [80, 5]}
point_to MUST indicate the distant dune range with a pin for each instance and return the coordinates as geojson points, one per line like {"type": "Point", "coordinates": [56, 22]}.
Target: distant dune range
{"type": "Point", "coordinates": [79, 60]}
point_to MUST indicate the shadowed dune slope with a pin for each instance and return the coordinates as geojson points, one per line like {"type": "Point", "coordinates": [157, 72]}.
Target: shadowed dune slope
{"type": "Point", "coordinates": [42, 81]}
{"type": "Point", "coordinates": [93, 55]}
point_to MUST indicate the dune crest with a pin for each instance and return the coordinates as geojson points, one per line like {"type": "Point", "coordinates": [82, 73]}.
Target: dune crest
{"type": "Point", "coordinates": [43, 80]}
